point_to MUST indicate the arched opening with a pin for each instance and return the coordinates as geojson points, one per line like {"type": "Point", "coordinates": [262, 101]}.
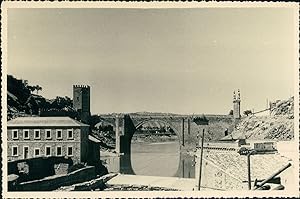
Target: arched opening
{"type": "Point", "coordinates": [155, 149]}
{"type": "Point", "coordinates": [105, 131]}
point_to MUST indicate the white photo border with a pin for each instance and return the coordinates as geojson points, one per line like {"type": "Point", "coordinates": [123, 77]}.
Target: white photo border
{"type": "Point", "coordinates": [144, 5]}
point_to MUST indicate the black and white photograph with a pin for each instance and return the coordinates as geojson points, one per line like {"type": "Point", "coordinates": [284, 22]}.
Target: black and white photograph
{"type": "Point", "coordinates": [158, 99]}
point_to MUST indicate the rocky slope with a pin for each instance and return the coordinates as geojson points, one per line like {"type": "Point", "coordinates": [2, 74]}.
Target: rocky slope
{"type": "Point", "coordinates": [278, 125]}
{"type": "Point", "coordinates": [283, 107]}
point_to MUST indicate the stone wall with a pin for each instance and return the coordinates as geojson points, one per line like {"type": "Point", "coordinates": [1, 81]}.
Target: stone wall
{"type": "Point", "coordinates": [54, 182]}
{"type": "Point", "coordinates": [36, 168]}
{"type": "Point", "coordinates": [216, 178]}
{"type": "Point", "coordinates": [218, 124]}
{"type": "Point", "coordinates": [215, 129]}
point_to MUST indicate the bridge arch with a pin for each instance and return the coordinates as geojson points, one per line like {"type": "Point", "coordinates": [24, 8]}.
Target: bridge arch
{"type": "Point", "coordinates": [164, 121]}
{"type": "Point", "coordinates": [154, 122]}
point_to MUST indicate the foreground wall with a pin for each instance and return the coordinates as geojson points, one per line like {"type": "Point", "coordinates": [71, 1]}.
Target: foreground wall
{"type": "Point", "coordinates": [54, 182]}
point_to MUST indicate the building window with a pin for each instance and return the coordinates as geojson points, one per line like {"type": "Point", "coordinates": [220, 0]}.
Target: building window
{"type": "Point", "coordinates": [58, 151]}
{"type": "Point", "coordinates": [37, 152]}
{"type": "Point", "coordinates": [48, 133]}
{"type": "Point", "coordinates": [15, 134]}
{"type": "Point", "coordinates": [25, 152]}
{"type": "Point", "coordinates": [48, 151]}
{"type": "Point", "coordinates": [37, 134]}
{"type": "Point", "coordinates": [59, 134]}
{"type": "Point", "coordinates": [15, 151]}
{"type": "Point", "coordinates": [70, 133]}
{"type": "Point", "coordinates": [26, 134]}
{"type": "Point", "coordinates": [70, 151]}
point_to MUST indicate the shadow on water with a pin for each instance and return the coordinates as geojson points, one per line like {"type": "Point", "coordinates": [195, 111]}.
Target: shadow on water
{"type": "Point", "coordinates": [186, 167]}
{"type": "Point", "coordinates": [153, 159]}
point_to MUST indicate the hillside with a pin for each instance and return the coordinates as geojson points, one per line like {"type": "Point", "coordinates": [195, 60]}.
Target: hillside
{"type": "Point", "coordinates": [278, 125]}
{"type": "Point", "coordinates": [22, 101]}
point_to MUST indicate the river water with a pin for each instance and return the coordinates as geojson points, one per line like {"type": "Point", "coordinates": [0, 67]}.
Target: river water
{"type": "Point", "coordinates": [154, 159]}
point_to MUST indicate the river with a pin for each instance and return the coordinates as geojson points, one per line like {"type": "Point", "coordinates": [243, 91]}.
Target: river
{"type": "Point", "coordinates": [154, 159]}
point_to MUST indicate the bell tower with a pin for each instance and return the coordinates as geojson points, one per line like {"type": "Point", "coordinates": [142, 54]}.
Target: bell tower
{"type": "Point", "coordinates": [236, 105]}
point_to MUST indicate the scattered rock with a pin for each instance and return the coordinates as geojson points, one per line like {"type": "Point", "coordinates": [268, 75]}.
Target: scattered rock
{"type": "Point", "coordinates": [137, 188]}
{"type": "Point", "coordinates": [95, 184]}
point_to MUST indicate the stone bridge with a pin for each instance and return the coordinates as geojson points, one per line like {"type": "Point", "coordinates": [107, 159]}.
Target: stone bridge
{"type": "Point", "coordinates": [185, 127]}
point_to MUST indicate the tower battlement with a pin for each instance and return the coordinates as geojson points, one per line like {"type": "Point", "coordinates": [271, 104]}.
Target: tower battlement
{"type": "Point", "coordinates": [81, 86]}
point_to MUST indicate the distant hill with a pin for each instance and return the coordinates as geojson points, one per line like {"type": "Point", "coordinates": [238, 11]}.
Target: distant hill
{"type": "Point", "coordinates": [151, 113]}
{"type": "Point", "coordinates": [278, 125]}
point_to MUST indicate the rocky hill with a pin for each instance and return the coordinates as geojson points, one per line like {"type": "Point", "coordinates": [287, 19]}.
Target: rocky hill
{"type": "Point", "coordinates": [278, 125]}
{"type": "Point", "coordinates": [283, 107]}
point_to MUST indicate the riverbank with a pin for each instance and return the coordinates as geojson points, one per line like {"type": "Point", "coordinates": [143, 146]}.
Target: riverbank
{"type": "Point", "coordinates": [152, 138]}
{"type": "Point", "coordinates": [151, 183]}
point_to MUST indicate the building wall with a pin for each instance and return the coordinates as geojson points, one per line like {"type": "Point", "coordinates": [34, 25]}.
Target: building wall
{"type": "Point", "coordinates": [93, 153]}
{"type": "Point", "coordinates": [84, 142]}
{"type": "Point", "coordinates": [41, 143]}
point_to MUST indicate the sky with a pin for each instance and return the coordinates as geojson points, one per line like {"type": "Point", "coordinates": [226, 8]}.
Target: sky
{"type": "Point", "coordinates": [156, 60]}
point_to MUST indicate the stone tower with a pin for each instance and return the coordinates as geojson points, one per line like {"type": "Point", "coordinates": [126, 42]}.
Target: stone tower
{"type": "Point", "coordinates": [81, 101]}
{"type": "Point", "coordinates": [236, 105]}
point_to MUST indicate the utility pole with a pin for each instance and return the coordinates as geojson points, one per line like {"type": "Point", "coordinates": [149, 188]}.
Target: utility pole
{"type": "Point", "coordinates": [117, 147]}
{"type": "Point", "coordinates": [203, 122]}
{"type": "Point", "coordinates": [201, 160]}
{"type": "Point", "coordinates": [182, 129]}
{"type": "Point", "coordinates": [249, 168]}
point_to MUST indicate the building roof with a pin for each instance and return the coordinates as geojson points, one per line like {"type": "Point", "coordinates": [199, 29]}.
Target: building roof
{"type": "Point", "coordinates": [44, 121]}
{"type": "Point", "coordinates": [93, 139]}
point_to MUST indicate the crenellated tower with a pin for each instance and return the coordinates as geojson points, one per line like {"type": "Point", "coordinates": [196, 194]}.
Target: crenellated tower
{"type": "Point", "coordinates": [236, 105]}
{"type": "Point", "coordinates": [81, 101]}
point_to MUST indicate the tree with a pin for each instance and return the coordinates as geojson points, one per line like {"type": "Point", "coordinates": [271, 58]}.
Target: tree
{"type": "Point", "coordinates": [25, 82]}
{"type": "Point", "coordinates": [247, 112]}
{"type": "Point", "coordinates": [31, 88]}
{"type": "Point", "coordinates": [93, 120]}
{"type": "Point", "coordinates": [38, 88]}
